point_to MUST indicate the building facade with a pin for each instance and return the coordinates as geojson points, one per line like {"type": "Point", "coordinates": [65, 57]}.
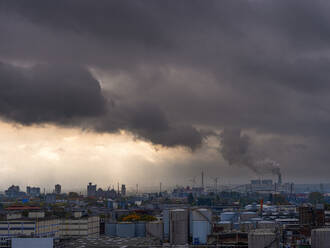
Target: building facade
{"type": "Point", "coordinates": [30, 227]}
{"type": "Point", "coordinates": [91, 190]}
{"type": "Point", "coordinates": [77, 227]}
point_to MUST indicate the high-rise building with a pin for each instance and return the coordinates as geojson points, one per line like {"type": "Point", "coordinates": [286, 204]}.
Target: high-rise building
{"type": "Point", "coordinates": [58, 189]}
{"type": "Point", "coordinates": [91, 190]}
{"type": "Point", "coordinates": [123, 189]}
{"type": "Point", "coordinates": [14, 192]}
{"type": "Point", "coordinates": [33, 191]}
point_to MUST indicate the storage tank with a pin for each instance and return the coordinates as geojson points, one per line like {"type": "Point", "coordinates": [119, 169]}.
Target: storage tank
{"type": "Point", "coordinates": [166, 221]}
{"type": "Point", "coordinates": [264, 224]}
{"type": "Point", "coordinates": [246, 216]}
{"type": "Point", "coordinates": [155, 229]}
{"type": "Point", "coordinates": [247, 226]}
{"type": "Point", "coordinates": [256, 220]}
{"type": "Point", "coordinates": [261, 238]}
{"type": "Point", "coordinates": [140, 229]}
{"type": "Point", "coordinates": [111, 229]}
{"type": "Point", "coordinates": [225, 225]}
{"type": "Point", "coordinates": [200, 214]}
{"type": "Point", "coordinates": [229, 216]}
{"type": "Point", "coordinates": [201, 229]}
{"type": "Point", "coordinates": [126, 229]}
{"type": "Point", "coordinates": [179, 226]}
{"type": "Point", "coordinates": [320, 238]}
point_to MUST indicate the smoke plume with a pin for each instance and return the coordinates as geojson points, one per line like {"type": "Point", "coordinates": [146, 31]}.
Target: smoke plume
{"type": "Point", "coordinates": [236, 150]}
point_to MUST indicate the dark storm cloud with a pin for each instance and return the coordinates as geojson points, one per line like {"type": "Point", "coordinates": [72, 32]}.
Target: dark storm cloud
{"type": "Point", "coordinates": [147, 122]}
{"type": "Point", "coordinates": [172, 66]}
{"type": "Point", "coordinates": [69, 95]}
{"type": "Point", "coordinates": [48, 94]}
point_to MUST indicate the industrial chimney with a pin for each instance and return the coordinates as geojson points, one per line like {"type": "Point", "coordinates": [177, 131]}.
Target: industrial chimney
{"type": "Point", "coordinates": [279, 178]}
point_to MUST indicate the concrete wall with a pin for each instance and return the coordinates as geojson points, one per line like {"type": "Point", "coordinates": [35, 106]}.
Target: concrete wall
{"type": "Point", "coordinates": [32, 243]}
{"type": "Point", "coordinates": [125, 229]}
{"type": "Point", "coordinates": [155, 229]}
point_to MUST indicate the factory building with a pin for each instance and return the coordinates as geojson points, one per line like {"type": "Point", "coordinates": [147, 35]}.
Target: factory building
{"type": "Point", "coordinates": [78, 227]}
{"type": "Point", "coordinates": [268, 186]}
{"type": "Point", "coordinates": [30, 227]}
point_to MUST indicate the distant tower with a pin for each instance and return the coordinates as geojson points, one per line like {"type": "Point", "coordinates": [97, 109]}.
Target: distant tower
{"type": "Point", "coordinates": [202, 179]}
{"type": "Point", "coordinates": [123, 189]}
{"type": "Point", "coordinates": [216, 184]}
{"type": "Point", "coordinates": [58, 189]}
{"type": "Point", "coordinates": [91, 190]}
{"type": "Point", "coordinates": [280, 179]}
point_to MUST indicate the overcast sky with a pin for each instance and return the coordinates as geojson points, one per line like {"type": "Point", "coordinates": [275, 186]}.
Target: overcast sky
{"type": "Point", "coordinates": [146, 91]}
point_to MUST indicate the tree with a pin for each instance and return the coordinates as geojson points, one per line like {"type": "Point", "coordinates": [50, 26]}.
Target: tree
{"type": "Point", "coordinates": [73, 195]}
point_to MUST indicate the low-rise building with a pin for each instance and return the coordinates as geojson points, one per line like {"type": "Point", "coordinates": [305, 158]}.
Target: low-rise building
{"type": "Point", "coordinates": [78, 227]}
{"type": "Point", "coordinates": [46, 227]}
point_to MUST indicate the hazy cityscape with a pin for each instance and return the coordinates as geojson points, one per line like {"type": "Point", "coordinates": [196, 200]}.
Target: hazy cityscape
{"type": "Point", "coordinates": [158, 123]}
{"type": "Point", "coordinates": [261, 213]}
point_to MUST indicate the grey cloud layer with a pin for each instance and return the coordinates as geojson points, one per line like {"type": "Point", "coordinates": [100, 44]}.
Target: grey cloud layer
{"type": "Point", "coordinates": [255, 65]}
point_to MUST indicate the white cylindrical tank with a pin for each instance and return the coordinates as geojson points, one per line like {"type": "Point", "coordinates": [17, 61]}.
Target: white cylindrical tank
{"type": "Point", "coordinates": [179, 226]}
{"type": "Point", "coordinates": [199, 214]}
{"type": "Point", "coordinates": [228, 216]}
{"type": "Point", "coordinates": [264, 224]}
{"type": "Point", "coordinates": [256, 220]}
{"type": "Point", "coordinates": [261, 238]}
{"type": "Point", "coordinates": [126, 229]}
{"type": "Point", "coordinates": [202, 214]}
{"type": "Point", "coordinates": [246, 226]}
{"type": "Point", "coordinates": [201, 229]}
{"type": "Point", "coordinates": [246, 216]}
{"type": "Point", "coordinates": [320, 238]}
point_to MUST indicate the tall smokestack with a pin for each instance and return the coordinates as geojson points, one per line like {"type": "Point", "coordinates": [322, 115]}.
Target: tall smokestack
{"type": "Point", "coordinates": [202, 179]}
{"type": "Point", "coordinates": [279, 178]}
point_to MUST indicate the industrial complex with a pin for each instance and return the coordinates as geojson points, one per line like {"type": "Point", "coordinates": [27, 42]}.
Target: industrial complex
{"type": "Point", "coordinates": [259, 214]}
